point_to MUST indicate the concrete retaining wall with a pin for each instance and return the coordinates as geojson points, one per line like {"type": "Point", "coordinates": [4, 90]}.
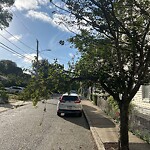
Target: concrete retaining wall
{"type": "Point", "coordinates": [139, 123]}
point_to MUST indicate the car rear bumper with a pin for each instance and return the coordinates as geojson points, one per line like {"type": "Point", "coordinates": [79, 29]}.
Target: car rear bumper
{"type": "Point", "coordinates": [69, 111]}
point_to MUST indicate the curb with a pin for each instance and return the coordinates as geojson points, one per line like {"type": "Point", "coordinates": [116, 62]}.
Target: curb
{"type": "Point", "coordinates": [5, 110]}
{"type": "Point", "coordinates": [95, 135]}
{"type": "Point", "coordinates": [14, 106]}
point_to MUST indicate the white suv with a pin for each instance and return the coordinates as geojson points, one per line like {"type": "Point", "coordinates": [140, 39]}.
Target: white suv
{"type": "Point", "coordinates": [69, 104]}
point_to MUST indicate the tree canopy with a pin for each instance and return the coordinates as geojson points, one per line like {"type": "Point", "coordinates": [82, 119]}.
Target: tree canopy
{"type": "Point", "coordinates": [13, 73]}
{"type": "Point", "coordinates": [48, 79]}
{"type": "Point", "coordinates": [9, 67]}
{"type": "Point", "coordinates": [115, 48]}
{"type": "Point", "coordinates": [5, 15]}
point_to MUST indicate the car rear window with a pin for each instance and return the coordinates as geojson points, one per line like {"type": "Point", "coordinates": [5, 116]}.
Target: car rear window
{"type": "Point", "coordinates": [16, 88]}
{"type": "Point", "coordinates": [69, 98]}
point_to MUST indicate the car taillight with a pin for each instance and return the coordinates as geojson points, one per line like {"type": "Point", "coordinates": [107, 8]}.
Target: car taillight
{"type": "Point", "coordinates": [77, 101]}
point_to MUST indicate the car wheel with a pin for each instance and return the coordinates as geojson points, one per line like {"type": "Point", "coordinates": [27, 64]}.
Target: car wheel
{"type": "Point", "coordinates": [58, 114]}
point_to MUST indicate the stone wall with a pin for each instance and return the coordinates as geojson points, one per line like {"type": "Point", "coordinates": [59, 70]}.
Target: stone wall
{"type": "Point", "coordinates": [139, 124]}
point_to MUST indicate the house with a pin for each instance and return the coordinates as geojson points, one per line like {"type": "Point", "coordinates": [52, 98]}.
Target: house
{"type": "Point", "coordinates": [142, 99]}
{"type": "Point", "coordinates": [143, 95]}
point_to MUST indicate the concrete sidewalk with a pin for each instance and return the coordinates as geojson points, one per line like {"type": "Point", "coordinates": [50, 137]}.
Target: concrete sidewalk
{"type": "Point", "coordinates": [105, 131]}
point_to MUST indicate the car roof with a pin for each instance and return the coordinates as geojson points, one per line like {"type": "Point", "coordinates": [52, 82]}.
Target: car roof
{"type": "Point", "coordinates": [71, 94]}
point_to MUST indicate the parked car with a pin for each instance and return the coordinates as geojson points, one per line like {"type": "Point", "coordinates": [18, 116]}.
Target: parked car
{"type": "Point", "coordinates": [14, 89]}
{"type": "Point", "coordinates": [69, 104]}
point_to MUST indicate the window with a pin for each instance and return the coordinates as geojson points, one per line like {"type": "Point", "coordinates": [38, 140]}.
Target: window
{"type": "Point", "coordinates": [70, 98]}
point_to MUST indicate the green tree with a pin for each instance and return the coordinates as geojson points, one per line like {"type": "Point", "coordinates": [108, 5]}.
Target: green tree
{"type": "Point", "coordinates": [115, 48]}
{"type": "Point", "coordinates": [48, 79]}
{"type": "Point", "coordinates": [10, 67]}
{"type": "Point", "coordinates": [5, 15]}
{"type": "Point", "coordinates": [14, 74]}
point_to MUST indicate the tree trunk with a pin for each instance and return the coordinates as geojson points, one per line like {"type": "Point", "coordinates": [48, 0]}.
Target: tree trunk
{"type": "Point", "coordinates": [124, 138]}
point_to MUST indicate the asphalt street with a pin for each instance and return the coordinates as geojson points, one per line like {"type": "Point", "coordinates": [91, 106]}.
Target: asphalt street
{"type": "Point", "coordinates": [29, 128]}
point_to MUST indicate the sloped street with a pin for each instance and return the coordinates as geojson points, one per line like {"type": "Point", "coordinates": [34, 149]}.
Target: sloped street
{"type": "Point", "coordinates": [29, 128]}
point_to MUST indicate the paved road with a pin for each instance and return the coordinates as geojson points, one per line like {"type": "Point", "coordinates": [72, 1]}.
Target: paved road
{"type": "Point", "coordinates": [28, 128]}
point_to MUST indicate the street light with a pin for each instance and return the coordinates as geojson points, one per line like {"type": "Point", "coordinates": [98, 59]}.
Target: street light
{"type": "Point", "coordinates": [37, 56]}
{"type": "Point", "coordinates": [45, 50]}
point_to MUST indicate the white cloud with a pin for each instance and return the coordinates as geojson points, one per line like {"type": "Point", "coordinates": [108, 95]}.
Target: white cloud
{"type": "Point", "coordinates": [71, 55]}
{"type": "Point", "coordinates": [60, 5]}
{"type": "Point", "coordinates": [28, 71]}
{"type": "Point", "coordinates": [57, 20]}
{"type": "Point", "coordinates": [43, 2]}
{"type": "Point", "coordinates": [15, 38]}
{"type": "Point", "coordinates": [30, 57]}
{"type": "Point", "coordinates": [26, 4]}
{"type": "Point", "coordinates": [19, 56]}
{"type": "Point", "coordinates": [39, 15]}
{"type": "Point", "coordinates": [69, 23]}
{"type": "Point", "coordinates": [29, 4]}
{"type": "Point", "coordinates": [46, 18]}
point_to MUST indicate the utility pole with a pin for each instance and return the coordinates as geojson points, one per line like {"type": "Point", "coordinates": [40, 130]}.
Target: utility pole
{"type": "Point", "coordinates": [37, 58]}
{"type": "Point", "coordinates": [37, 49]}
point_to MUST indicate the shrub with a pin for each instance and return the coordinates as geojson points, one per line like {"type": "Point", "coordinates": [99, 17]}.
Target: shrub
{"type": "Point", "coordinates": [3, 96]}
{"type": "Point", "coordinates": [113, 109]}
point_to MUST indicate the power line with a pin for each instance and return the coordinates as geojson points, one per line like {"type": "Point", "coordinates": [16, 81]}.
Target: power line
{"type": "Point", "coordinates": [13, 51]}
{"type": "Point", "coordinates": [23, 24]}
{"type": "Point", "coordinates": [19, 40]}
{"type": "Point", "coordinates": [12, 43]}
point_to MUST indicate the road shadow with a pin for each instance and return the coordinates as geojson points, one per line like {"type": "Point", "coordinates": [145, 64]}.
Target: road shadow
{"type": "Point", "coordinates": [132, 146]}
{"type": "Point", "coordinates": [98, 118]}
{"type": "Point", "coordinates": [7, 105]}
{"type": "Point", "coordinates": [139, 146]}
{"type": "Point", "coordinates": [75, 119]}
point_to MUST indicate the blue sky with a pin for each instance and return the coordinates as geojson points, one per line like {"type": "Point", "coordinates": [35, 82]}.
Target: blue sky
{"type": "Point", "coordinates": [32, 20]}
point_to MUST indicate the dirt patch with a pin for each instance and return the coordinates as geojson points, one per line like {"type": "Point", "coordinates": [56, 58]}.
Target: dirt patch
{"type": "Point", "coordinates": [12, 100]}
